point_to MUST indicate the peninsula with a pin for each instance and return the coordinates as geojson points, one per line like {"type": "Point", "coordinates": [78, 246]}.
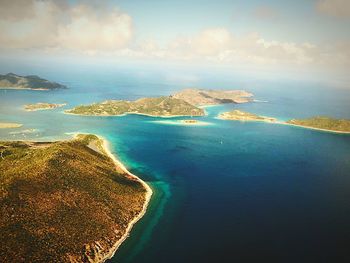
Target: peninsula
{"type": "Point", "coordinates": [42, 106]}
{"type": "Point", "coordinates": [203, 97]}
{"type": "Point", "coordinates": [323, 123]}
{"type": "Point", "coordinates": [157, 107]}
{"type": "Point", "coordinates": [238, 115]}
{"type": "Point", "coordinates": [65, 201]}
{"type": "Point", "coordinates": [32, 82]}
{"type": "Point", "coordinates": [320, 123]}
{"type": "Point", "coordinates": [8, 125]}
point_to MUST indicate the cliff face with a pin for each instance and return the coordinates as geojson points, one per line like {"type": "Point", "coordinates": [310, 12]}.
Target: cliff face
{"type": "Point", "coordinates": [212, 97]}
{"type": "Point", "coordinates": [63, 201]}
{"type": "Point", "coordinates": [14, 81]}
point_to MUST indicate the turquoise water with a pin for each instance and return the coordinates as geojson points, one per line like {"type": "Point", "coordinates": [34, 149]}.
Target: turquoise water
{"type": "Point", "coordinates": [225, 192]}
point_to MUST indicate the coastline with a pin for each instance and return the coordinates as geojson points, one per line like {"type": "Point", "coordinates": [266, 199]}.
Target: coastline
{"type": "Point", "coordinates": [132, 113]}
{"type": "Point", "coordinates": [181, 123]}
{"type": "Point", "coordinates": [14, 88]}
{"type": "Point", "coordinates": [267, 120]}
{"type": "Point", "coordinates": [101, 254]}
{"type": "Point", "coordinates": [288, 124]}
{"type": "Point", "coordinates": [314, 128]}
{"type": "Point", "coordinates": [149, 192]}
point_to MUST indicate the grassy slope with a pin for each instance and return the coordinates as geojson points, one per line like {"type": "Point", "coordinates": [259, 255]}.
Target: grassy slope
{"type": "Point", "coordinates": [323, 123]}
{"type": "Point", "coordinates": [161, 106]}
{"type": "Point", "coordinates": [57, 199]}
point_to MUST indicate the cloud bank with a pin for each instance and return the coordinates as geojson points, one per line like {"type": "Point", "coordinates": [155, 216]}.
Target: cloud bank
{"type": "Point", "coordinates": [99, 28]}
{"type": "Point", "coordinates": [220, 45]}
{"type": "Point", "coordinates": [336, 8]}
{"type": "Point", "coordinates": [84, 26]}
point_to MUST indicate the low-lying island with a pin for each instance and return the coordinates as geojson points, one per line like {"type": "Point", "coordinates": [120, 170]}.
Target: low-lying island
{"type": "Point", "coordinates": [43, 106]}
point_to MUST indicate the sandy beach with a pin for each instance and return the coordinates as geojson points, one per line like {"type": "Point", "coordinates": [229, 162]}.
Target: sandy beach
{"type": "Point", "coordinates": [148, 195]}
{"type": "Point", "coordinates": [313, 128]}
{"type": "Point", "coordinates": [182, 123]}
{"type": "Point", "coordinates": [267, 119]}
{"type": "Point", "coordinates": [129, 113]}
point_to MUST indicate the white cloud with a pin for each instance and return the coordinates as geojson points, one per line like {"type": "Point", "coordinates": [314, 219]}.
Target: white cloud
{"type": "Point", "coordinates": [337, 8]}
{"type": "Point", "coordinates": [219, 45]}
{"type": "Point", "coordinates": [211, 41]}
{"type": "Point", "coordinates": [54, 24]}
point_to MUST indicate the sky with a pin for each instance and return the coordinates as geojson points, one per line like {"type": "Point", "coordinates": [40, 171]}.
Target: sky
{"type": "Point", "coordinates": [279, 35]}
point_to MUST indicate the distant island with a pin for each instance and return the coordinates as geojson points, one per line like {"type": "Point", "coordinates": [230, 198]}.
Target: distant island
{"type": "Point", "coordinates": [201, 97]}
{"type": "Point", "coordinates": [157, 107]}
{"type": "Point", "coordinates": [317, 123]}
{"type": "Point", "coordinates": [8, 125]}
{"type": "Point", "coordinates": [66, 201]}
{"type": "Point", "coordinates": [13, 81]}
{"type": "Point", "coordinates": [183, 103]}
{"type": "Point", "coordinates": [238, 115]}
{"type": "Point", "coordinates": [323, 123]}
{"type": "Point", "coordinates": [42, 106]}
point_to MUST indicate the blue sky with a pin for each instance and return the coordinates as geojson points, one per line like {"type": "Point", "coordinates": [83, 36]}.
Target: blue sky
{"type": "Point", "coordinates": [303, 35]}
{"type": "Point", "coordinates": [296, 20]}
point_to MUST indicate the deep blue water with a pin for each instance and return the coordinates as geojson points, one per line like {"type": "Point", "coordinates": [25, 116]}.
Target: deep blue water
{"type": "Point", "coordinates": [227, 192]}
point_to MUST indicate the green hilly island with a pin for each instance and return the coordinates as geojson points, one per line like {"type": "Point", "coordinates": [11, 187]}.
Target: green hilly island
{"type": "Point", "coordinates": [63, 201]}
{"type": "Point", "coordinates": [32, 82]}
{"type": "Point", "coordinates": [159, 107]}
{"type": "Point", "coordinates": [324, 123]}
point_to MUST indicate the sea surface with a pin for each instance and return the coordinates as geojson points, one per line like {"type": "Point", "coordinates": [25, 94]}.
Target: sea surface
{"type": "Point", "coordinates": [225, 192]}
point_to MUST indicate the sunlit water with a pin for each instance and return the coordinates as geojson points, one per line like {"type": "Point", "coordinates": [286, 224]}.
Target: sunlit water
{"type": "Point", "coordinates": [225, 192]}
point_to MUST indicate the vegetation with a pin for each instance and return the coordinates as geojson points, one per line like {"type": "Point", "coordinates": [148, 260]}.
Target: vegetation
{"type": "Point", "coordinates": [244, 116]}
{"type": "Point", "coordinates": [13, 81]}
{"type": "Point", "coordinates": [321, 122]}
{"type": "Point", "coordinates": [42, 106]}
{"type": "Point", "coordinates": [161, 106]}
{"type": "Point", "coordinates": [63, 201]}
{"type": "Point", "coordinates": [212, 97]}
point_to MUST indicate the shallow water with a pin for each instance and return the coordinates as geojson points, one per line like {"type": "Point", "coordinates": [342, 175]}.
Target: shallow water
{"type": "Point", "coordinates": [226, 192]}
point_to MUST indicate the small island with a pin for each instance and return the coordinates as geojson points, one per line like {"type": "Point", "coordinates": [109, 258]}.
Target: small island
{"type": "Point", "coordinates": [189, 121]}
{"type": "Point", "coordinates": [43, 106]}
{"type": "Point", "coordinates": [66, 201]}
{"type": "Point", "coordinates": [183, 122]}
{"type": "Point", "coordinates": [323, 123]}
{"type": "Point", "coordinates": [237, 115]}
{"type": "Point", "coordinates": [203, 97]}
{"type": "Point", "coordinates": [156, 107]}
{"type": "Point", "coordinates": [9, 125]}
{"type": "Point", "coordinates": [32, 82]}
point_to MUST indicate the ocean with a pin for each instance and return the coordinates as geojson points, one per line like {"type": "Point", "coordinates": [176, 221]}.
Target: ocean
{"type": "Point", "coordinates": [225, 192]}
